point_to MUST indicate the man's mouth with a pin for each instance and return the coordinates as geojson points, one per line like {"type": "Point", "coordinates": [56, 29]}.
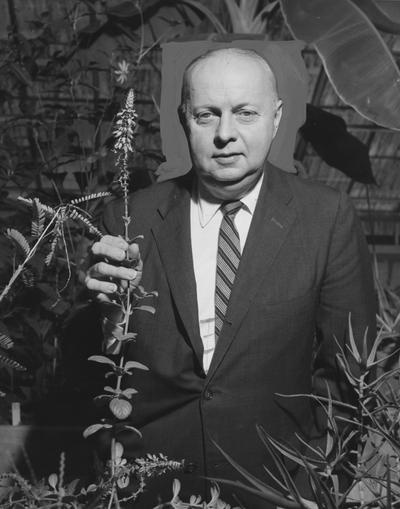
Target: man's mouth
{"type": "Point", "coordinates": [227, 158]}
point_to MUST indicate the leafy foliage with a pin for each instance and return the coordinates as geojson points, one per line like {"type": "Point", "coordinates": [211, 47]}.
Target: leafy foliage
{"type": "Point", "coordinates": [54, 491]}
{"type": "Point", "coordinates": [362, 443]}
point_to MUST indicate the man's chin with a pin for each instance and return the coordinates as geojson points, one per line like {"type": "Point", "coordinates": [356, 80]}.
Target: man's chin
{"type": "Point", "coordinates": [228, 188]}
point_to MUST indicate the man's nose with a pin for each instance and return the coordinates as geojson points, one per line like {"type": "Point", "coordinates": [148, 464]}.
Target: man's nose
{"type": "Point", "coordinates": [226, 129]}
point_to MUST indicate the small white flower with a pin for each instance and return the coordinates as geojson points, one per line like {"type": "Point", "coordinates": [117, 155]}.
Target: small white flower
{"type": "Point", "coordinates": [122, 72]}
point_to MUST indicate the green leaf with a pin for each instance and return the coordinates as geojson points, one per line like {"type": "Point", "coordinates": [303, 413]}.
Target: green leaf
{"type": "Point", "coordinates": [38, 220]}
{"type": "Point", "coordinates": [53, 480]}
{"type": "Point", "coordinates": [262, 490]}
{"type": "Point", "coordinates": [102, 360]}
{"type": "Point", "coordinates": [5, 341]}
{"type": "Point", "coordinates": [6, 360]}
{"type": "Point", "coordinates": [385, 15]}
{"type": "Point", "coordinates": [128, 393]}
{"type": "Point", "coordinates": [357, 61]}
{"type": "Point", "coordinates": [331, 140]}
{"type": "Point", "coordinates": [131, 428]}
{"type": "Point", "coordinates": [94, 428]}
{"type": "Point", "coordinates": [148, 309]}
{"type": "Point", "coordinates": [136, 365]}
{"type": "Point", "coordinates": [194, 4]}
{"type": "Point", "coordinates": [19, 240]}
{"type": "Point", "coordinates": [88, 197]}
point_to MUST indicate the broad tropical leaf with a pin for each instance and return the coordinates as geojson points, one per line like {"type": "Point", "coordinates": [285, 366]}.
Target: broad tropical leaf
{"type": "Point", "coordinates": [328, 135]}
{"type": "Point", "coordinates": [385, 15]}
{"type": "Point", "coordinates": [356, 59]}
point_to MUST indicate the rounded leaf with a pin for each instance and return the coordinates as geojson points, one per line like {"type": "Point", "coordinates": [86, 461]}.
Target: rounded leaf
{"type": "Point", "coordinates": [121, 408]}
{"type": "Point", "coordinates": [53, 480]}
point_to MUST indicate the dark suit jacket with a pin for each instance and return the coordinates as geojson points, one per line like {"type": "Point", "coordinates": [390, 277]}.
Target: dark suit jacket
{"type": "Point", "coordinates": [305, 266]}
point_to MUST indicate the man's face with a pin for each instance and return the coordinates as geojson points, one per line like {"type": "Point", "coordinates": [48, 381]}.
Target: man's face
{"type": "Point", "coordinates": [232, 117]}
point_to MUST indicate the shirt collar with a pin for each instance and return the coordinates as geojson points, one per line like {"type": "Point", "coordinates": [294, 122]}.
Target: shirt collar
{"type": "Point", "coordinates": [207, 209]}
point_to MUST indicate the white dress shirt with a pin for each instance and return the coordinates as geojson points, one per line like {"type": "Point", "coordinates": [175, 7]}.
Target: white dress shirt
{"type": "Point", "coordinates": [205, 221]}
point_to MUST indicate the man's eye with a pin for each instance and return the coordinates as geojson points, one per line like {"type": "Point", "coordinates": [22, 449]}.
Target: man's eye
{"type": "Point", "coordinates": [246, 115]}
{"type": "Point", "coordinates": [205, 116]}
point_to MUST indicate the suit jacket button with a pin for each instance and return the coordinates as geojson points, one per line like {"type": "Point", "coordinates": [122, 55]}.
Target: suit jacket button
{"type": "Point", "coordinates": [190, 467]}
{"type": "Point", "coordinates": [208, 395]}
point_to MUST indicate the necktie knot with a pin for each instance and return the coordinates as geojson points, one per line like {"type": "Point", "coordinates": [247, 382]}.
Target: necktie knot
{"type": "Point", "coordinates": [231, 208]}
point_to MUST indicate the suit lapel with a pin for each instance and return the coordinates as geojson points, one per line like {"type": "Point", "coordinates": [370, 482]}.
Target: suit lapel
{"type": "Point", "coordinates": [172, 235]}
{"type": "Point", "coordinates": [270, 225]}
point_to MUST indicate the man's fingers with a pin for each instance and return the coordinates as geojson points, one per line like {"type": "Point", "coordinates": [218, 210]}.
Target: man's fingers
{"type": "Point", "coordinates": [107, 276]}
{"type": "Point", "coordinates": [103, 269]}
{"type": "Point", "coordinates": [115, 248]}
{"type": "Point", "coordinates": [109, 251]}
{"type": "Point", "coordinates": [103, 287]}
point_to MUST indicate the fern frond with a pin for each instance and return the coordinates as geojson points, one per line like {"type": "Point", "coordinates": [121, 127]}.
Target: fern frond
{"type": "Point", "coordinates": [19, 239]}
{"type": "Point", "coordinates": [46, 208]}
{"type": "Point", "coordinates": [53, 245]}
{"type": "Point", "coordinates": [89, 197]}
{"type": "Point", "coordinates": [6, 360]}
{"type": "Point", "coordinates": [74, 214]}
{"type": "Point", "coordinates": [38, 220]}
{"type": "Point", "coordinates": [28, 278]}
{"type": "Point", "coordinates": [5, 341]}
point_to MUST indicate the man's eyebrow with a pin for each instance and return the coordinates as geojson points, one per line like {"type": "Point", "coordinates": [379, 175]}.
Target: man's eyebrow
{"type": "Point", "coordinates": [205, 107]}
{"type": "Point", "coordinates": [244, 105]}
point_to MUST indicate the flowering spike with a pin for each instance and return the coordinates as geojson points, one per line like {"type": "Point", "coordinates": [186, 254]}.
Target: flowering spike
{"type": "Point", "coordinates": [124, 130]}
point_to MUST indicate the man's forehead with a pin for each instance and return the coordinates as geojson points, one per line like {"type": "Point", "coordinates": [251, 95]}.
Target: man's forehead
{"type": "Point", "coordinates": [223, 72]}
{"type": "Point", "coordinates": [234, 60]}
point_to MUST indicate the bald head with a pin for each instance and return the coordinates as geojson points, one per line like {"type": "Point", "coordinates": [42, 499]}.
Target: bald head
{"type": "Point", "coordinates": [225, 54]}
{"type": "Point", "coordinates": [230, 112]}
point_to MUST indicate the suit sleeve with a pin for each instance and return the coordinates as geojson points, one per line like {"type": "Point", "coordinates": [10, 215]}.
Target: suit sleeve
{"type": "Point", "coordinates": [347, 288]}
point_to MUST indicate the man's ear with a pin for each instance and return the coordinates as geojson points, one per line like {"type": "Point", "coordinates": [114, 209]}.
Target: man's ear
{"type": "Point", "coordinates": [182, 117]}
{"type": "Point", "coordinates": [278, 115]}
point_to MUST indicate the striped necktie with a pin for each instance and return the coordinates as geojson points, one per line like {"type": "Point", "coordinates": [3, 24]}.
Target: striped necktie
{"type": "Point", "coordinates": [228, 259]}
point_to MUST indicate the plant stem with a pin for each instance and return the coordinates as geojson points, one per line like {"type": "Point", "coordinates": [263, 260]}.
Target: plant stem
{"type": "Point", "coordinates": [21, 266]}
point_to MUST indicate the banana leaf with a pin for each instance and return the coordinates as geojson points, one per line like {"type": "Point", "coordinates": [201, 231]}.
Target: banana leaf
{"type": "Point", "coordinates": [357, 61]}
{"type": "Point", "coordinates": [385, 15]}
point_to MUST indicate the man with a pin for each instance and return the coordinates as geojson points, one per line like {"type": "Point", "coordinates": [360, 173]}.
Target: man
{"type": "Point", "coordinates": [243, 293]}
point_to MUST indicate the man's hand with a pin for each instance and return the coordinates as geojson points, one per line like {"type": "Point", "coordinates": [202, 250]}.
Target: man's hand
{"type": "Point", "coordinates": [118, 265]}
